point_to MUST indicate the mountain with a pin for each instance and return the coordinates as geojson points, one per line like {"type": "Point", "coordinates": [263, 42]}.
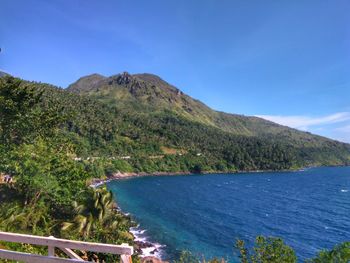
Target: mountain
{"type": "Point", "coordinates": [147, 93]}
{"type": "Point", "coordinates": [140, 123]}
{"type": "Point", "coordinates": [141, 92]}
{"type": "Point", "coordinates": [3, 74]}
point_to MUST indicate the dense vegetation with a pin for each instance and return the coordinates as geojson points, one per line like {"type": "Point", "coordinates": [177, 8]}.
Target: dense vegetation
{"type": "Point", "coordinates": [44, 129]}
{"type": "Point", "coordinates": [155, 116]}
{"type": "Point", "coordinates": [49, 195]}
{"type": "Point", "coordinates": [142, 124]}
{"type": "Point", "coordinates": [180, 121]}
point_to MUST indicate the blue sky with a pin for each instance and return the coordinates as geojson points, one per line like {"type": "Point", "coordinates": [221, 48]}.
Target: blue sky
{"type": "Point", "coordinates": [288, 61]}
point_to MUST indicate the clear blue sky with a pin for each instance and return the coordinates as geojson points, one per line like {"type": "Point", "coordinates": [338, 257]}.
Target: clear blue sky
{"type": "Point", "coordinates": [286, 60]}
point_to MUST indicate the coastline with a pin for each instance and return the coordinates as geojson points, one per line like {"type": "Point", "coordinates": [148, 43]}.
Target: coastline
{"type": "Point", "coordinates": [96, 182]}
{"type": "Point", "coordinates": [145, 248]}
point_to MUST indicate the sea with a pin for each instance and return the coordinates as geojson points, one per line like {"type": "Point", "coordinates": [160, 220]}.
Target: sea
{"type": "Point", "coordinates": [206, 214]}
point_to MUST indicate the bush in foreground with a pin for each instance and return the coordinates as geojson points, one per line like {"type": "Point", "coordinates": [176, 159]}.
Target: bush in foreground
{"type": "Point", "coordinates": [266, 250]}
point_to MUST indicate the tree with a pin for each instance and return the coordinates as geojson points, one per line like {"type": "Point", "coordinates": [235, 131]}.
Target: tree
{"type": "Point", "coordinates": [187, 257]}
{"type": "Point", "coordinates": [339, 254]}
{"type": "Point", "coordinates": [21, 118]}
{"type": "Point", "coordinates": [46, 171]}
{"type": "Point", "coordinates": [95, 214]}
{"type": "Point", "coordinates": [197, 169]}
{"type": "Point", "coordinates": [266, 250]}
{"type": "Point", "coordinates": [16, 218]}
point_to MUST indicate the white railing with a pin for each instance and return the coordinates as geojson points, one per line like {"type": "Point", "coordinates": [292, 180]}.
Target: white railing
{"type": "Point", "coordinates": [125, 251]}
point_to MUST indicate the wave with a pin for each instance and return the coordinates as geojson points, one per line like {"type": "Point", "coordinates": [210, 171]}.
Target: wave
{"type": "Point", "coordinates": [147, 247]}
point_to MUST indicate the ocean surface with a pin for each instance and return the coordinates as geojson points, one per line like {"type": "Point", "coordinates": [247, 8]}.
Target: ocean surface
{"type": "Point", "coordinates": [205, 214]}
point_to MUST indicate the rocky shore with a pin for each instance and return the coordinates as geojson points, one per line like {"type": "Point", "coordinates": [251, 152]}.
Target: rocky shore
{"type": "Point", "coordinates": [140, 246]}
{"type": "Point", "coordinates": [143, 246]}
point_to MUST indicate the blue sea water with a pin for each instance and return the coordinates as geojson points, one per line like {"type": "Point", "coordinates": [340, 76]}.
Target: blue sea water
{"type": "Point", "coordinates": [205, 214]}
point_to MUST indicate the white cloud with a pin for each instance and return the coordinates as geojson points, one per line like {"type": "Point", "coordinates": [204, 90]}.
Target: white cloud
{"type": "Point", "coordinates": [342, 133]}
{"type": "Point", "coordinates": [345, 129]}
{"type": "Point", "coordinates": [336, 126]}
{"type": "Point", "coordinates": [304, 122]}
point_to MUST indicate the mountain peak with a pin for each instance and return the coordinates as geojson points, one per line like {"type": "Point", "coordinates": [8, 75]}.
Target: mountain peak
{"type": "Point", "coordinates": [124, 78]}
{"type": "Point", "coordinates": [133, 82]}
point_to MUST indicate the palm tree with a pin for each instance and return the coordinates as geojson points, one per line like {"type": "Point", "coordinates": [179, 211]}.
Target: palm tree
{"type": "Point", "coordinates": [97, 212]}
{"type": "Point", "coordinates": [32, 218]}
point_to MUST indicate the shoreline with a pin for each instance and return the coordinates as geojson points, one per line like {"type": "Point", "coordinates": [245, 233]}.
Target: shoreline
{"type": "Point", "coordinates": [96, 182]}
{"type": "Point", "coordinates": [145, 248]}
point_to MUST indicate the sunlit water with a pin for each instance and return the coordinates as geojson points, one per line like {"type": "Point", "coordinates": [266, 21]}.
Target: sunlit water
{"type": "Point", "coordinates": [206, 213]}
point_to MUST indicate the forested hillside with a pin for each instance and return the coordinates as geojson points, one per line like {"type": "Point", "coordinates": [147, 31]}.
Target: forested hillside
{"type": "Point", "coordinates": [146, 93]}
{"type": "Point", "coordinates": [139, 124]}
{"type": "Point", "coordinates": [225, 141]}
{"type": "Point", "coordinates": [48, 193]}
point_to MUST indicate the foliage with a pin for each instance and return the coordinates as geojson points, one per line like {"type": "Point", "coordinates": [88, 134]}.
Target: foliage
{"type": "Point", "coordinates": [97, 213]}
{"type": "Point", "coordinates": [47, 178]}
{"type": "Point", "coordinates": [167, 117]}
{"type": "Point", "coordinates": [46, 172]}
{"type": "Point", "coordinates": [35, 219]}
{"type": "Point", "coordinates": [188, 257]}
{"type": "Point", "coordinates": [102, 134]}
{"type": "Point", "coordinates": [21, 118]}
{"type": "Point", "coordinates": [266, 250]}
{"type": "Point", "coordinates": [339, 254]}
{"type": "Point", "coordinates": [146, 115]}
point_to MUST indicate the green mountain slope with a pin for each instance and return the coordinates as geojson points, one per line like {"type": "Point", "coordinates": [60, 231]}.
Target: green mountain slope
{"type": "Point", "coordinates": [147, 93]}
{"type": "Point", "coordinates": [142, 92]}
{"type": "Point", "coordinates": [140, 123]}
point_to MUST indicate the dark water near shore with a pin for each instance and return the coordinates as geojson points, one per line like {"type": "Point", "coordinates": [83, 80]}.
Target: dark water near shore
{"type": "Point", "coordinates": [205, 214]}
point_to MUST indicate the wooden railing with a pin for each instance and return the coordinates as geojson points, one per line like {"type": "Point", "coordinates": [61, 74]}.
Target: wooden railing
{"type": "Point", "coordinates": [125, 251]}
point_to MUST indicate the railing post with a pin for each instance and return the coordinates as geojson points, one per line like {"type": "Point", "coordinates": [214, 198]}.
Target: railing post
{"type": "Point", "coordinates": [50, 249]}
{"type": "Point", "coordinates": [125, 258]}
